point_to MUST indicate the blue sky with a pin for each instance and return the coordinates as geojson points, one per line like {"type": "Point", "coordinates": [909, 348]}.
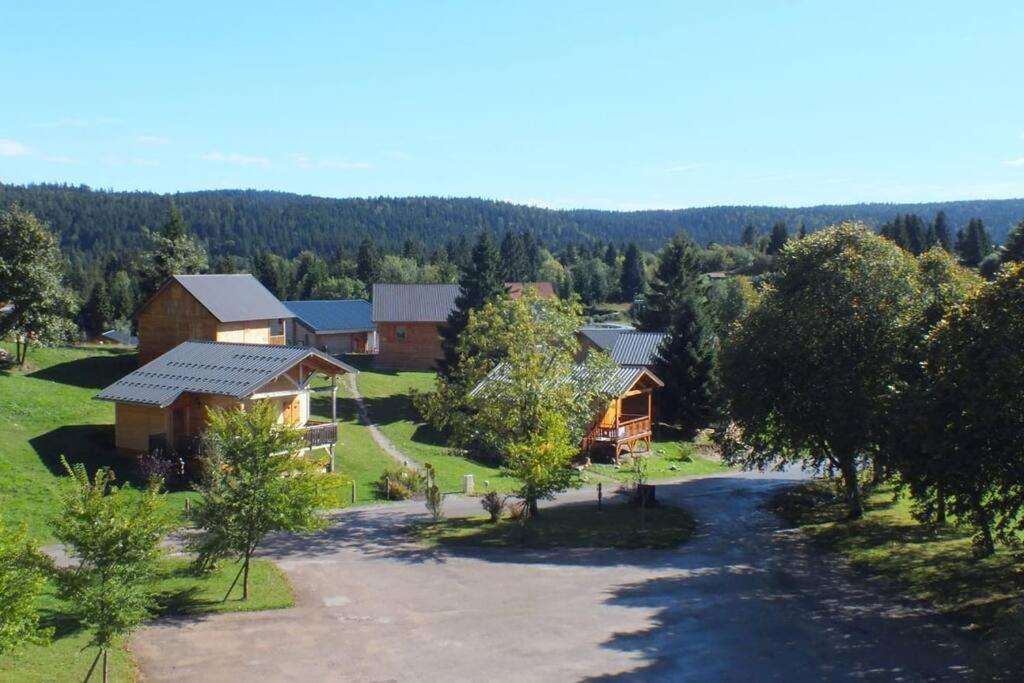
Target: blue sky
{"type": "Point", "coordinates": [619, 105]}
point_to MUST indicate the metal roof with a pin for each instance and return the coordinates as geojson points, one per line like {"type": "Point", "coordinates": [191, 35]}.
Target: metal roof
{"type": "Point", "coordinates": [341, 315]}
{"type": "Point", "coordinates": [413, 303]}
{"type": "Point", "coordinates": [604, 337]}
{"type": "Point", "coordinates": [616, 381]}
{"type": "Point", "coordinates": [638, 348]}
{"type": "Point", "coordinates": [203, 367]}
{"type": "Point", "coordinates": [120, 337]}
{"type": "Point", "coordinates": [233, 298]}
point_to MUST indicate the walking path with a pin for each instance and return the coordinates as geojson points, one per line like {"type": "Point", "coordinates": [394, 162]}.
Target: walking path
{"type": "Point", "coordinates": [384, 442]}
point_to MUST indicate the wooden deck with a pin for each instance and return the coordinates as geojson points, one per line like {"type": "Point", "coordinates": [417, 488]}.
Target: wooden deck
{"type": "Point", "coordinates": [628, 432]}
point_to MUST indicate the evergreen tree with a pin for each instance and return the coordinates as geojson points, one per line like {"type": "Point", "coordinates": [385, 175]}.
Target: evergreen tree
{"type": "Point", "coordinates": [172, 251]}
{"type": "Point", "coordinates": [973, 244]}
{"type": "Point", "coordinates": [677, 275]}
{"type": "Point", "coordinates": [97, 314]}
{"type": "Point", "coordinates": [942, 232]}
{"type": "Point", "coordinates": [689, 363]}
{"type": "Point", "coordinates": [611, 256]}
{"type": "Point", "coordinates": [368, 263]}
{"type": "Point", "coordinates": [803, 230]}
{"type": "Point", "coordinates": [534, 255]}
{"type": "Point", "coordinates": [633, 278]}
{"type": "Point", "coordinates": [515, 266]}
{"type": "Point", "coordinates": [480, 283]}
{"type": "Point", "coordinates": [1013, 248]}
{"type": "Point", "coordinates": [175, 228]}
{"type": "Point", "coordinates": [749, 236]}
{"type": "Point", "coordinates": [778, 239]}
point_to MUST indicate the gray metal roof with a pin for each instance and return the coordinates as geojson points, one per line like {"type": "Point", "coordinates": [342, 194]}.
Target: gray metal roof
{"type": "Point", "coordinates": [233, 298]}
{"type": "Point", "coordinates": [616, 381]}
{"type": "Point", "coordinates": [120, 337]}
{"type": "Point", "coordinates": [604, 337]}
{"type": "Point", "coordinates": [413, 303]}
{"type": "Point", "coordinates": [638, 348]}
{"type": "Point", "coordinates": [340, 315]}
{"type": "Point", "coordinates": [202, 367]}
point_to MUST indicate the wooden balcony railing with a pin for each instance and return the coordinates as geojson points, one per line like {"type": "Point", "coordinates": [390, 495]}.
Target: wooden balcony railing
{"type": "Point", "coordinates": [320, 435]}
{"type": "Point", "coordinates": [313, 436]}
{"type": "Point", "coordinates": [629, 426]}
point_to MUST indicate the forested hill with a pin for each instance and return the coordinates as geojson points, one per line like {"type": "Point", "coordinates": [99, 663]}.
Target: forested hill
{"type": "Point", "coordinates": [244, 222]}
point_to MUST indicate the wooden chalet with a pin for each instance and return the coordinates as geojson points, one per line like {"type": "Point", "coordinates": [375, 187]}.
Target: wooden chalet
{"type": "Point", "coordinates": [334, 326]}
{"type": "Point", "coordinates": [163, 405]}
{"type": "Point", "coordinates": [409, 319]}
{"type": "Point", "coordinates": [224, 308]}
{"type": "Point", "coordinates": [639, 349]}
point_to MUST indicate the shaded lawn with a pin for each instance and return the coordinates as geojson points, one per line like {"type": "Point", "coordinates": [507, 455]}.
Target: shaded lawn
{"type": "Point", "coordinates": [388, 399]}
{"type": "Point", "coordinates": [69, 656]}
{"type": "Point", "coordinates": [932, 564]}
{"type": "Point", "coordinates": [578, 525]}
{"type": "Point", "coordinates": [48, 411]}
{"type": "Point", "coordinates": [668, 459]}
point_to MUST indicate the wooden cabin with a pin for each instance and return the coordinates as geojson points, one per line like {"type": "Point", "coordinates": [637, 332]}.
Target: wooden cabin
{"type": "Point", "coordinates": [639, 349]}
{"type": "Point", "coordinates": [627, 423]}
{"type": "Point", "coordinates": [410, 318]}
{"type": "Point", "coordinates": [163, 405]}
{"type": "Point", "coordinates": [225, 308]}
{"type": "Point", "coordinates": [599, 337]}
{"type": "Point", "coordinates": [335, 327]}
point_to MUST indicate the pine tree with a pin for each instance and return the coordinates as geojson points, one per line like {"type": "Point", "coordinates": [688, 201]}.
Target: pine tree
{"type": "Point", "coordinates": [368, 262]}
{"type": "Point", "coordinates": [678, 274]}
{"type": "Point", "coordinates": [175, 228]}
{"type": "Point", "coordinates": [1013, 247]}
{"type": "Point", "coordinates": [514, 264]}
{"type": "Point", "coordinates": [689, 364]}
{"type": "Point", "coordinates": [480, 283]}
{"type": "Point", "coordinates": [633, 279]}
{"type": "Point", "coordinates": [749, 236]}
{"type": "Point", "coordinates": [803, 230]}
{"type": "Point", "coordinates": [611, 256]}
{"type": "Point", "coordinates": [974, 243]}
{"type": "Point", "coordinates": [97, 313]}
{"type": "Point", "coordinates": [778, 239]}
{"type": "Point", "coordinates": [942, 232]}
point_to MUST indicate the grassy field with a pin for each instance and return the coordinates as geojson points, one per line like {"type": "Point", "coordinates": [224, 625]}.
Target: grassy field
{"type": "Point", "coordinates": [387, 396]}
{"type": "Point", "coordinates": [569, 526]}
{"type": "Point", "coordinates": [47, 411]}
{"type": "Point", "coordinates": [667, 459]}
{"type": "Point", "coordinates": [69, 656]}
{"type": "Point", "coordinates": [933, 564]}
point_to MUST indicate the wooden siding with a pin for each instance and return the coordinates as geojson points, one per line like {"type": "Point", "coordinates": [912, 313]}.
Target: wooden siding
{"type": "Point", "coordinates": [133, 425]}
{"type": "Point", "coordinates": [336, 344]}
{"type": "Point", "coordinates": [250, 332]}
{"type": "Point", "coordinates": [420, 348]}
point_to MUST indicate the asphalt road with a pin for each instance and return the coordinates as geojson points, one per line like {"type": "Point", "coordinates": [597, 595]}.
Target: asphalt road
{"type": "Point", "coordinates": [744, 600]}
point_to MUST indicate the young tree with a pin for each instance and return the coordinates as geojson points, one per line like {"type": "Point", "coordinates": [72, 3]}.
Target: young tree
{"type": "Point", "coordinates": [255, 483]}
{"type": "Point", "coordinates": [23, 571]}
{"type": "Point", "coordinates": [172, 251]}
{"type": "Point", "coordinates": [116, 538]}
{"type": "Point", "coordinates": [31, 279]}
{"type": "Point", "coordinates": [633, 279]}
{"type": "Point", "coordinates": [534, 407]}
{"type": "Point", "coordinates": [592, 280]}
{"type": "Point", "coordinates": [807, 370]}
{"type": "Point", "coordinates": [481, 282]}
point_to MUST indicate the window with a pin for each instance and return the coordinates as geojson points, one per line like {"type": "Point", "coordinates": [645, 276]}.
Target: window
{"type": "Point", "coordinates": [400, 332]}
{"type": "Point", "coordinates": [276, 327]}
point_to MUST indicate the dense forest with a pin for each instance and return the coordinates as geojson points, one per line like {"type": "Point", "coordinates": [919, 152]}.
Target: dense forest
{"type": "Point", "coordinates": [245, 223]}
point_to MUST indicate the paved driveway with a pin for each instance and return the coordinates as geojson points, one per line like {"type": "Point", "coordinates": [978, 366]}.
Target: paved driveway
{"type": "Point", "coordinates": [744, 600]}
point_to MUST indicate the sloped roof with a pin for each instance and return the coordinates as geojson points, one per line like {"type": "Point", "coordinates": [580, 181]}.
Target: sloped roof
{"type": "Point", "coordinates": [544, 289]}
{"type": "Point", "coordinates": [638, 348]}
{"type": "Point", "coordinates": [615, 381]}
{"type": "Point", "coordinates": [120, 337]}
{"type": "Point", "coordinates": [234, 298]}
{"type": "Point", "coordinates": [413, 303]}
{"type": "Point", "coordinates": [604, 337]}
{"type": "Point", "coordinates": [341, 315]}
{"type": "Point", "coordinates": [203, 367]}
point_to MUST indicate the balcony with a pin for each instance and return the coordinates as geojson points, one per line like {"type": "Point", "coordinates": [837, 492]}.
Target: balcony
{"type": "Point", "coordinates": [628, 427]}
{"type": "Point", "coordinates": [318, 435]}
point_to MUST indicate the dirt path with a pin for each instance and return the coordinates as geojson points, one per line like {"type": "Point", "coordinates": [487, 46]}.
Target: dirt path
{"type": "Point", "coordinates": [364, 416]}
{"type": "Point", "coordinates": [745, 599]}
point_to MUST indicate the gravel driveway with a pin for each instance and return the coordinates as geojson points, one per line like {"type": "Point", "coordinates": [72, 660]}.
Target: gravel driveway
{"type": "Point", "coordinates": [745, 600]}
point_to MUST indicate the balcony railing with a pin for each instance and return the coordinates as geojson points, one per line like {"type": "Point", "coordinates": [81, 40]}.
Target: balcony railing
{"type": "Point", "coordinates": [313, 436]}
{"type": "Point", "coordinates": [628, 427]}
{"type": "Point", "coordinates": [325, 434]}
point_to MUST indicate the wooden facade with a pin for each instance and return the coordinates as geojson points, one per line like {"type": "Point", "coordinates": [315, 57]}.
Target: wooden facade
{"type": "Point", "coordinates": [335, 343]}
{"type": "Point", "coordinates": [173, 315]}
{"type": "Point", "coordinates": [626, 426]}
{"type": "Point", "coordinates": [411, 345]}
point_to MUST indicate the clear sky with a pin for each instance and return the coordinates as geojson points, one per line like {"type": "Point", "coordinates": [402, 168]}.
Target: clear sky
{"type": "Point", "coordinates": [617, 105]}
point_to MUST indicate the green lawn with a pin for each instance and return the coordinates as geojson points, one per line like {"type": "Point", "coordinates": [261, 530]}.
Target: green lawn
{"type": "Point", "coordinates": [667, 459]}
{"type": "Point", "coordinates": [578, 525]}
{"type": "Point", "coordinates": [936, 565]}
{"type": "Point", "coordinates": [388, 399]}
{"type": "Point", "coordinates": [68, 656]}
{"type": "Point", "coordinates": [47, 411]}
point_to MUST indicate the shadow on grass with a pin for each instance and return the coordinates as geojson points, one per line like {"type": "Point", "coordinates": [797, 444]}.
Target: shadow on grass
{"type": "Point", "coordinates": [92, 372]}
{"type": "Point", "coordinates": [90, 445]}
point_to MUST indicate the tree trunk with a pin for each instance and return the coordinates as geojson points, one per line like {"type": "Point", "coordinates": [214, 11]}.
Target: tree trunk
{"type": "Point", "coordinates": [245, 578]}
{"type": "Point", "coordinates": [984, 526]}
{"type": "Point", "coordinates": [534, 510]}
{"type": "Point", "coordinates": [106, 667]}
{"type": "Point", "coordinates": [848, 467]}
{"type": "Point", "coordinates": [940, 504]}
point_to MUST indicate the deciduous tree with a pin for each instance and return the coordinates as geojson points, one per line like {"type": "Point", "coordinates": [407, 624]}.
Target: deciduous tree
{"type": "Point", "coordinates": [23, 571]}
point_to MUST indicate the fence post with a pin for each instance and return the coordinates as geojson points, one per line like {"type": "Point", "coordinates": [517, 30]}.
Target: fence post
{"type": "Point", "coordinates": [353, 491]}
{"type": "Point", "coordinates": [600, 493]}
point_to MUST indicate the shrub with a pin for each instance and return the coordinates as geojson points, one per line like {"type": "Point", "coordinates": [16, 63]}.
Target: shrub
{"type": "Point", "coordinates": [400, 483]}
{"type": "Point", "coordinates": [494, 504]}
{"type": "Point", "coordinates": [434, 496]}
